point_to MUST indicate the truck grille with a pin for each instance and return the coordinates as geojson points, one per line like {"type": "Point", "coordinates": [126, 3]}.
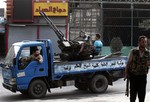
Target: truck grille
{"type": "Point", "coordinates": [6, 81]}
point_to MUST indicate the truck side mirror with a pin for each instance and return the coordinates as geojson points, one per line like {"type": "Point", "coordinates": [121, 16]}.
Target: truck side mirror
{"type": "Point", "coordinates": [14, 61]}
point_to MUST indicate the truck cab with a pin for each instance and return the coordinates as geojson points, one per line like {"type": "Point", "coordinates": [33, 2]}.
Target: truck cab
{"type": "Point", "coordinates": [18, 74]}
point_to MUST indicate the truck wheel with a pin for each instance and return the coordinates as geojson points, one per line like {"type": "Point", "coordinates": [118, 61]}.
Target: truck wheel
{"type": "Point", "coordinates": [37, 89]}
{"type": "Point", "coordinates": [80, 86]}
{"type": "Point", "coordinates": [98, 84]}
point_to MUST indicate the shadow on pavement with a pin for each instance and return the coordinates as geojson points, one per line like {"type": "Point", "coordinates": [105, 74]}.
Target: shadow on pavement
{"type": "Point", "coordinates": [69, 95]}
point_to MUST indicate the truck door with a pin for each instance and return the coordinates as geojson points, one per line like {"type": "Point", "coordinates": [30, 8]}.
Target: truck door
{"type": "Point", "coordinates": [28, 68]}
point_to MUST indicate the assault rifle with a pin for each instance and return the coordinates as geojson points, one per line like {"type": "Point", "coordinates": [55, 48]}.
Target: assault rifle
{"type": "Point", "coordinates": [127, 87]}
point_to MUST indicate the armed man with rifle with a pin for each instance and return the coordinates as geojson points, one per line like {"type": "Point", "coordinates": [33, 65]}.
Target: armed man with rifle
{"type": "Point", "coordinates": [85, 46]}
{"type": "Point", "coordinates": [137, 69]}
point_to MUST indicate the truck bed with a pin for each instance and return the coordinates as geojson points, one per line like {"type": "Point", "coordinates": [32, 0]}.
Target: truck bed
{"type": "Point", "coordinates": [85, 66]}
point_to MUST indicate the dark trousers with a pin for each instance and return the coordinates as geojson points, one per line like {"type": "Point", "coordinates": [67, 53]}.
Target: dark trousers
{"type": "Point", "coordinates": [138, 87]}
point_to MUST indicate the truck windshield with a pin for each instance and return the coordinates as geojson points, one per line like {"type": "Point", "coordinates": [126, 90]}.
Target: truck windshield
{"type": "Point", "coordinates": [11, 54]}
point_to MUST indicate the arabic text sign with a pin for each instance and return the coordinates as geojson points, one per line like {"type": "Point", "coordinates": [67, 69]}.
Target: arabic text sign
{"type": "Point", "coordinates": [91, 65]}
{"type": "Point", "coordinates": [51, 9]}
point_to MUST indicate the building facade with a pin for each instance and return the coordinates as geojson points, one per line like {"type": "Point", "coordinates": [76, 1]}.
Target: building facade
{"type": "Point", "coordinates": [127, 19]}
{"type": "Point", "coordinates": [24, 21]}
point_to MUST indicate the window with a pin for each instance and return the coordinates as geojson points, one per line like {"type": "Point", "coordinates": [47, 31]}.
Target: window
{"type": "Point", "coordinates": [25, 56]}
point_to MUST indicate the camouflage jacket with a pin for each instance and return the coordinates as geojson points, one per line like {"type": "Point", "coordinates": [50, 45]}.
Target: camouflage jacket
{"type": "Point", "coordinates": [138, 65]}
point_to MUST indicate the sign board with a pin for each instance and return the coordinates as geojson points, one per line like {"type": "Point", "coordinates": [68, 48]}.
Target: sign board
{"type": "Point", "coordinates": [51, 9]}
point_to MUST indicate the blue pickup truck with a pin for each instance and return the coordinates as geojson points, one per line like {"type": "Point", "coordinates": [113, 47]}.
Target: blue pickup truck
{"type": "Point", "coordinates": [35, 79]}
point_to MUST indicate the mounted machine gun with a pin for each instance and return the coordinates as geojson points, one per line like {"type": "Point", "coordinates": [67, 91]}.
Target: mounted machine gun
{"type": "Point", "coordinates": [69, 49]}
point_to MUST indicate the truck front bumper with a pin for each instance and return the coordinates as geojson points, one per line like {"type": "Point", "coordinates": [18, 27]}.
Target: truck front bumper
{"type": "Point", "coordinates": [10, 87]}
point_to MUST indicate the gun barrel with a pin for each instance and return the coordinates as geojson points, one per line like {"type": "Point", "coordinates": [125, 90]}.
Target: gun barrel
{"type": "Point", "coordinates": [59, 34]}
{"type": "Point", "coordinates": [127, 88]}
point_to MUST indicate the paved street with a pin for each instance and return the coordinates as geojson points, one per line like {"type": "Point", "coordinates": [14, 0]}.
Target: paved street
{"type": "Point", "coordinates": [114, 93]}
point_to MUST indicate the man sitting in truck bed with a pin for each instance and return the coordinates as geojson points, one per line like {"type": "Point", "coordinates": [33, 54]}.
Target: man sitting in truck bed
{"type": "Point", "coordinates": [86, 47]}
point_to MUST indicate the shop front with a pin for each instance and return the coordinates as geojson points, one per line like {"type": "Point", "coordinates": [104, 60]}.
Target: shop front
{"type": "Point", "coordinates": [24, 21]}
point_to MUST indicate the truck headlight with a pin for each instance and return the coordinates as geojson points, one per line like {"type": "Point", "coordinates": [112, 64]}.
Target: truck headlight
{"type": "Point", "coordinates": [12, 81]}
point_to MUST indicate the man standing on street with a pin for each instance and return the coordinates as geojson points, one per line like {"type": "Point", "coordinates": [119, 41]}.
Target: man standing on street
{"type": "Point", "coordinates": [137, 69]}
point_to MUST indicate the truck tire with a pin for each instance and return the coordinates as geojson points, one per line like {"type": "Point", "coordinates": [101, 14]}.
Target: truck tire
{"type": "Point", "coordinates": [98, 84]}
{"type": "Point", "coordinates": [37, 89]}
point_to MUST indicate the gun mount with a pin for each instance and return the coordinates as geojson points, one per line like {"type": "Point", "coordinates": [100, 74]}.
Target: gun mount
{"type": "Point", "coordinates": [69, 49]}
